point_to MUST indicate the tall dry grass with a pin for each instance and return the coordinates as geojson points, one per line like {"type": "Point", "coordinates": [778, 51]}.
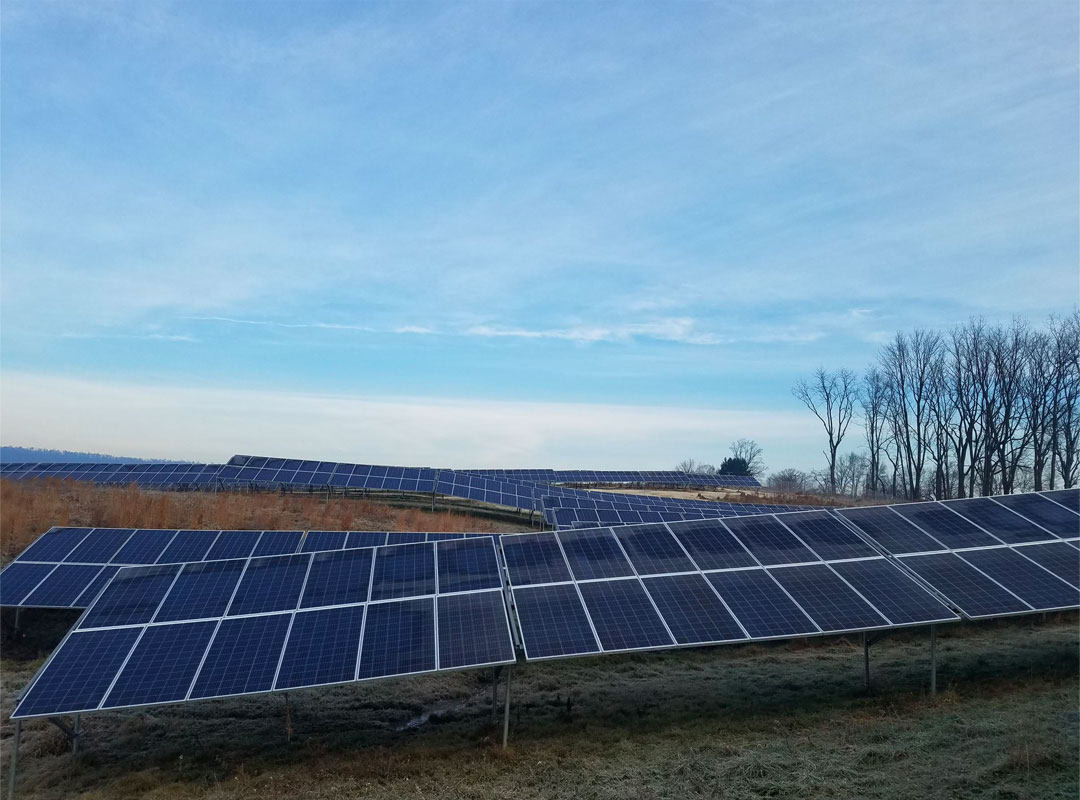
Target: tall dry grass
{"type": "Point", "coordinates": [28, 508]}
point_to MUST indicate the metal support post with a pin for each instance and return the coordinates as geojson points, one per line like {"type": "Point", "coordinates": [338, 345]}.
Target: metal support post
{"type": "Point", "coordinates": [76, 733]}
{"type": "Point", "coordinates": [866, 661]}
{"type": "Point", "coordinates": [14, 760]}
{"type": "Point", "coordinates": [506, 706]}
{"type": "Point", "coordinates": [494, 692]}
{"type": "Point", "coordinates": [933, 660]}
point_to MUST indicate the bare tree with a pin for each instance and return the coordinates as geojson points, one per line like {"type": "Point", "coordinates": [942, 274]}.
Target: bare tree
{"type": "Point", "coordinates": [909, 363]}
{"type": "Point", "coordinates": [1066, 458]}
{"type": "Point", "coordinates": [873, 399]}
{"type": "Point", "coordinates": [686, 465]}
{"type": "Point", "coordinates": [831, 398]}
{"type": "Point", "coordinates": [788, 480]}
{"type": "Point", "coordinates": [750, 452]}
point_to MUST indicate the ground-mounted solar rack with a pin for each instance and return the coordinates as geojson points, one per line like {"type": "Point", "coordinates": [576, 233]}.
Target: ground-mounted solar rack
{"type": "Point", "coordinates": [660, 586]}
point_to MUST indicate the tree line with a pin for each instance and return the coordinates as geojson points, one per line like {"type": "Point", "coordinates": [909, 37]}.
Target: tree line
{"type": "Point", "coordinates": [981, 409]}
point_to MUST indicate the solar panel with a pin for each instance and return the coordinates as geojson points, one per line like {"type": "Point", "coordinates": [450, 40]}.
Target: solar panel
{"type": "Point", "coordinates": [270, 583]}
{"type": "Point", "coordinates": [712, 546]}
{"type": "Point", "coordinates": [132, 597]}
{"type": "Point", "coordinates": [202, 591]}
{"type": "Point", "coordinates": [594, 554]}
{"type": "Point", "coordinates": [1043, 512]}
{"type": "Point", "coordinates": [162, 665]}
{"type": "Point", "coordinates": [950, 529]}
{"type": "Point", "coordinates": [273, 543]}
{"type": "Point", "coordinates": [467, 565]}
{"type": "Point", "coordinates": [1006, 524]}
{"type": "Point", "coordinates": [826, 535]}
{"type": "Point", "coordinates": [1070, 498]}
{"type": "Point", "coordinates": [892, 592]}
{"type": "Point", "coordinates": [966, 587]}
{"type": "Point", "coordinates": [188, 546]}
{"type": "Point", "coordinates": [323, 647]}
{"type": "Point", "coordinates": [99, 548]}
{"type": "Point", "coordinates": [827, 599]}
{"type": "Point", "coordinates": [473, 630]}
{"type": "Point", "coordinates": [233, 544]}
{"type": "Point", "coordinates": [694, 613]}
{"type": "Point", "coordinates": [769, 541]}
{"type": "Point", "coordinates": [54, 545]}
{"type": "Point", "coordinates": [20, 580]}
{"type": "Point", "coordinates": [338, 577]}
{"type": "Point", "coordinates": [399, 638]}
{"type": "Point", "coordinates": [553, 622]}
{"type": "Point", "coordinates": [1057, 557]}
{"type": "Point", "coordinates": [60, 589]}
{"type": "Point", "coordinates": [761, 605]}
{"type": "Point", "coordinates": [144, 547]}
{"type": "Point", "coordinates": [653, 550]}
{"type": "Point", "coordinates": [243, 656]}
{"type": "Point", "coordinates": [403, 571]}
{"type": "Point", "coordinates": [623, 615]}
{"type": "Point", "coordinates": [1037, 587]}
{"type": "Point", "coordinates": [534, 558]}
{"type": "Point", "coordinates": [890, 530]}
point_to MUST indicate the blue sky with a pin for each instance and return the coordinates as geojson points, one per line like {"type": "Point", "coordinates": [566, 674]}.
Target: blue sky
{"type": "Point", "coordinates": [495, 234]}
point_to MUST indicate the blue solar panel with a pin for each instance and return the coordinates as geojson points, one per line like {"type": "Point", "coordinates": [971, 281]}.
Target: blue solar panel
{"type": "Point", "coordinates": [1057, 557]}
{"type": "Point", "coordinates": [692, 610]}
{"type": "Point", "coordinates": [20, 579]}
{"type": "Point", "coordinates": [1070, 498]}
{"type": "Point", "coordinates": [826, 535]}
{"type": "Point", "coordinates": [893, 593]}
{"type": "Point", "coordinates": [338, 577]}
{"type": "Point", "coordinates": [653, 550]}
{"type": "Point", "coordinates": [894, 533]}
{"type": "Point", "coordinates": [405, 538]}
{"type": "Point", "coordinates": [1039, 588]}
{"type": "Point", "coordinates": [62, 587]}
{"type": "Point", "coordinates": [1043, 512]}
{"type": "Point", "coordinates": [769, 541]}
{"type": "Point", "coordinates": [965, 587]}
{"type": "Point", "coordinates": [759, 603]}
{"type": "Point", "coordinates": [830, 602]}
{"type": "Point", "coordinates": [162, 665]}
{"type": "Point", "coordinates": [270, 583]}
{"type": "Point", "coordinates": [712, 546]}
{"type": "Point", "coordinates": [403, 571]}
{"type": "Point", "coordinates": [233, 544]}
{"type": "Point", "coordinates": [243, 657]}
{"type": "Point", "coordinates": [594, 554]}
{"type": "Point", "coordinates": [467, 565]}
{"type": "Point", "coordinates": [534, 558]}
{"type": "Point", "coordinates": [623, 616]}
{"type": "Point", "coordinates": [950, 529]}
{"type": "Point", "coordinates": [1005, 524]}
{"type": "Point", "coordinates": [275, 543]}
{"type": "Point", "coordinates": [79, 674]}
{"type": "Point", "coordinates": [473, 630]}
{"type": "Point", "coordinates": [132, 597]}
{"type": "Point", "coordinates": [322, 648]}
{"type": "Point", "coordinates": [93, 590]}
{"type": "Point", "coordinates": [99, 547]}
{"type": "Point", "coordinates": [365, 539]}
{"type": "Point", "coordinates": [54, 545]}
{"type": "Point", "coordinates": [324, 540]}
{"type": "Point", "coordinates": [144, 547]}
{"type": "Point", "coordinates": [188, 546]}
{"type": "Point", "coordinates": [399, 638]}
{"type": "Point", "coordinates": [553, 622]}
{"type": "Point", "coordinates": [202, 590]}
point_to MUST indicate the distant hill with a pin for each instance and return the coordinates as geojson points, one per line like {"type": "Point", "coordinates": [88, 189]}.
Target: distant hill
{"type": "Point", "coordinates": [10, 454]}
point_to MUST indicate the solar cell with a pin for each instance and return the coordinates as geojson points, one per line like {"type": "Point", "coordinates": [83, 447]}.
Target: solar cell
{"type": "Point", "coordinates": [1036, 586]}
{"type": "Point", "coordinates": [769, 541]}
{"type": "Point", "coordinates": [830, 602]}
{"type": "Point", "coordinates": [403, 571]}
{"type": "Point", "coordinates": [322, 647]}
{"type": "Point", "coordinates": [553, 622]}
{"type": "Point", "coordinates": [693, 611]}
{"type": "Point", "coordinates": [534, 558]}
{"type": "Point", "coordinates": [202, 590]}
{"type": "Point", "coordinates": [144, 547]}
{"type": "Point", "coordinates": [61, 588]}
{"type": "Point", "coordinates": [1057, 557]}
{"type": "Point", "coordinates": [950, 529]}
{"type": "Point", "coordinates": [243, 656]}
{"type": "Point", "coordinates": [1006, 524]}
{"type": "Point", "coordinates": [894, 533]}
{"type": "Point", "coordinates": [338, 577]}
{"type": "Point", "coordinates": [760, 605]}
{"type": "Point", "coordinates": [623, 615]}
{"type": "Point", "coordinates": [473, 630]}
{"type": "Point", "coordinates": [965, 587]}
{"type": "Point", "coordinates": [131, 597]}
{"type": "Point", "coordinates": [594, 554]}
{"type": "Point", "coordinates": [399, 638]}
{"type": "Point", "coordinates": [54, 545]}
{"type": "Point", "coordinates": [162, 665]}
{"type": "Point", "coordinates": [79, 673]}
{"type": "Point", "coordinates": [826, 535]}
{"type": "Point", "coordinates": [1046, 513]}
{"type": "Point", "coordinates": [712, 546]}
{"type": "Point", "coordinates": [467, 565]}
{"type": "Point", "coordinates": [270, 583]}
{"type": "Point", "coordinates": [653, 550]}
{"type": "Point", "coordinates": [893, 593]}
{"type": "Point", "coordinates": [20, 580]}
{"type": "Point", "coordinates": [188, 546]}
{"type": "Point", "coordinates": [99, 547]}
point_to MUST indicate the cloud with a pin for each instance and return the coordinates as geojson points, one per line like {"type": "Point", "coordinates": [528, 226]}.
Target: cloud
{"type": "Point", "coordinates": [211, 423]}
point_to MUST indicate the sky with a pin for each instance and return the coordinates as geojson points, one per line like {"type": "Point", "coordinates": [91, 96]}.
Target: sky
{"type": "Point", "coordinates": [591, 235]}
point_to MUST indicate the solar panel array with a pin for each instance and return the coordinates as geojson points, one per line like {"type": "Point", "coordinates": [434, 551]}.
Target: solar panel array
{"type": "Point", "coordinates": [656, 477]}
{"type": "Point", "coordinates": [149, 475]}
{"type": "Point", "coordinates": [570, 512]}
{"type": "Point", "coordinates": [169, 633]}
{"type": "Point", "coordinates": [68, 567]}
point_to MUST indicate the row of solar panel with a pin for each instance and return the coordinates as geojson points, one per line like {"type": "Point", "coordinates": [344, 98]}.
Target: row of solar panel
{"type": "Point", "coordinates": [148, 661]}
{"type": "Point", "coordinates": [666, 477]}
{"type": "Point", "coordinates": [67, 567]}
{"type": "Point", "coordinates": [595, 501]}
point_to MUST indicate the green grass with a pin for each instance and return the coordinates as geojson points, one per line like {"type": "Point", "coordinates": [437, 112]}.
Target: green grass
{"type": "Point", "coordinates": [758, 721]}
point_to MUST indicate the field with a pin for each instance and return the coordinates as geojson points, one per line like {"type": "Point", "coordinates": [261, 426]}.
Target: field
{"type": "Point", "coordinates": [780, 720]}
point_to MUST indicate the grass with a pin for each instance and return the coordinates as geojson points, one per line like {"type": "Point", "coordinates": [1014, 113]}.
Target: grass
{"type": "Point", "coordinates": [781, 720]}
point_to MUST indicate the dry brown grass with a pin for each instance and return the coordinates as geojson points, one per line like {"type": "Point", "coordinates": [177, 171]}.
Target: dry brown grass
{"type": "Point", "coordinates": [28, 508]}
